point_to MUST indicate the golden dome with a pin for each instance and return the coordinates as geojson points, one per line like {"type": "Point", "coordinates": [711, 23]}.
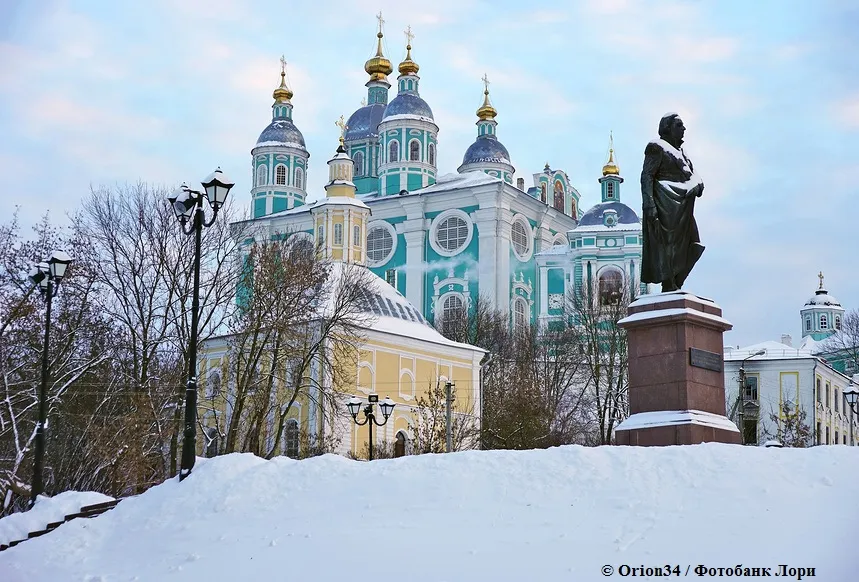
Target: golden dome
{"type": "Point", "coordinates": [408, 66]}
{"type": "Point", "coordinates": [610, 169]}
{"type": "Point", "coordinates": [378, 67]}
{"type": "Point", "coordinates": [486, 111]}
{"type": "Point", "coordinates": [282, 93]}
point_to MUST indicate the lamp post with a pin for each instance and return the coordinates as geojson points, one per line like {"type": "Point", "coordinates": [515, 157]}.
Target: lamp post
{"type": "Point", "coordinates": [47, 276]}
{"type": "Point", "coordinates": [387, 406]}
{"type": "Point", "coordinates": [188, 207]}
{"type": "Point", "coordinates": [851, 396]}
{"type": "Point", "coordinates": [741, 397]}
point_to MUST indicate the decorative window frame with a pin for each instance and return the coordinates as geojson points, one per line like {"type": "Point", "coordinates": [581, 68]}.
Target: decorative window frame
{"type": "Point", "coordinates": [356, 235]}
{"type": "Point", "coordinates": [431, 154]}
{"type": "Point", "coordinates": [277, 170]}
{"type": "Point", "coordinates": [529, 233]}
{"type": "Point", "coordinates": [438, 220]}
{"type": "Point", "coordinates": [358, 162]}
{"type": "Point", "coordinates": [824, 321]}
{"type": "Point", "coordinates": [393, 232]}
{"type": "Point", "coordinates": [409, 393]}
{"type": "Point", "coordinates": [396, 144]}
{"type": "Point", "coordinates": [561, 240]}
{"type": "Point", "coordinates": [262, 175]}
{"type": "Point", "coordinates": [298, 178]}
{"type": "Point", "coordinates": [411, 143]}
{"type": "Point", "coordinates": [519, 300]}
{"type": "Point", "coordinates": [338, 234]}
{"type": "Point", "coordinates": [297, 423]}
{"type": "Point", "coordinates": [438, 311]}
{"type": "Point", "coordinates": [603, 270]}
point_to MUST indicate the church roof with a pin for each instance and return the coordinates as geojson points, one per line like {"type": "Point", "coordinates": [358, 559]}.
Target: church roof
{"type": "Point", "coordinates": [281, 132]}
{"type": "Point", "coordinates": [594, 216]}
{"type": "Point", "coordinates": [364, 123]}
{"type": "Point", "coordinates": [485, 149]}
{"type": "Point", "coordinates": [407, 103]}
{"type": "Point", "coordinates": [823, 298]}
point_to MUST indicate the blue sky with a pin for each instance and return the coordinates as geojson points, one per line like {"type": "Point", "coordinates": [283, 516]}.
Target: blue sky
{"type": "Point", "coordinates": [95, 92]}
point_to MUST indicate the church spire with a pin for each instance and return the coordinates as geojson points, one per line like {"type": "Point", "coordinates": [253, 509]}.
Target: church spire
{"type": "Point", "coordinates": [282, 105]}
{"type": "Point", "coordinates": [340, 168]}
{"type": "Point", "coordinates": [610, 169]}
{"type": "Point", "coordinates": [610, 181]}
{"type": "Point", "coordinates": [408, 66]}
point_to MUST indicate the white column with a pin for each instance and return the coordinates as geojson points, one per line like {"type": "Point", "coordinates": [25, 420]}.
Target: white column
{"type": "Point", "coordinates": [415, 272]}
{"type": "Point", "coordinates": [502, 265]}
{"type": "Point", "coordinates": [544, 290]}
{"type": "Point", "coordinates": [485, 222]}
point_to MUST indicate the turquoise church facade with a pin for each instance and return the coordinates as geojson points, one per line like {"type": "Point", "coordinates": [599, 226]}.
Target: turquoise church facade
{"type": "Point", "coordinates": [444, 239]}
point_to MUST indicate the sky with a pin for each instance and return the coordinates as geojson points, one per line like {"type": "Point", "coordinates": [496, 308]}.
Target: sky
{"type": "Point", "coordinates": [99, 93]}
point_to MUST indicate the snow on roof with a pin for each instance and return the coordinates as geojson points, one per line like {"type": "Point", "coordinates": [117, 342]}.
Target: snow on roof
{"type": "Point", "coordinates": [288, 144]}
{"type": "Point", "coordinates": [603, 228]}
{"type": "Point", "coordinates": [645, 315]}
{"type": "Point", "coordinates": [654, 298]}
{"type": "Point", "coordinates": [677, 417]}
{"type": "Point", "coordinates": [563, 512]}
{"type": "Point", "coordinates": [339, 201]}
{"type": "Point", "coordinates": [773, 351]}
{"type": "Point", "coordinates": [454, 181]}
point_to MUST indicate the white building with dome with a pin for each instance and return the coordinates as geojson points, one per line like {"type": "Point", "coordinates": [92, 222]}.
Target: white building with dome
{"type": "Point", "coordinates": [443, 239]}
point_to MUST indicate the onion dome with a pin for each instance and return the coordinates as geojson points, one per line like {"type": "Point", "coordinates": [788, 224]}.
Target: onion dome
{"type": "Point", "coordinates": [408, 66]}
{"type": "Point", "coordinates": [486, 149]}
{"type": "Point", "coordinates": [281, 132]}
{"type": "Point", "coordinates": [378, 67]}
{"type": "Point", "coordinates": [283, 93]}
{"type": "Point", "coordinates": [486, 111]}
{"type": "Point", "coordinates": [610, 169]}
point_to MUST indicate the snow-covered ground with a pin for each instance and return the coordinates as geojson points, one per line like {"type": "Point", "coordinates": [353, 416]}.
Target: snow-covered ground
{"type": "Point", "coordinates": [558, 514]}
{"type": "Point", "coordinates": [46, 510]}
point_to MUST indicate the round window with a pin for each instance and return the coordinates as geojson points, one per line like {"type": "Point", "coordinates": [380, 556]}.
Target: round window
{"type": "Point", "coordinates": [380, 244]}
{"type": "Point", "coordinates": [452, 233]}
{"type": "Point", "coordinates": [521, 239]}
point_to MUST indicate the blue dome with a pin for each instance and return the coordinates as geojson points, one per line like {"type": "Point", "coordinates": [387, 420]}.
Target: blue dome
{"type": "Point", "coordinates": [281, 131]}
{"type": "Point", "coordinates": [486, 149]}
{"type": "Point", "coordinates": [364, 123]}
{"type": "Point", "coordinates": [594, 216]}
{"type": "Point", "coordinates": [407, 104]}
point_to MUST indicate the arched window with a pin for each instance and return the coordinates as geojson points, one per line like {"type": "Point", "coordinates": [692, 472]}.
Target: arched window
{"type": "Point", "coordinates": [559, 197]}
{"type": "Point", "coordinates": [280, 175]}
{"type": "Point", "coordinates": [609, 189]}
{"type": "Point", "coordinates": [291, 438]}
{"type": "Point", "coordinates": [394, 151]}
{"type": "Point", "coordinates": [452, 308]}
{"type": "Point", "coordinates": [400, 445]}
{"type": "Point", "coordinates": [299, 179]}
{"type": "Point", "coordinates": [824, 323]}
{"type": "Point", "coordinates": [837, 322]}
{"type": "Point", "coordinates": [358, 159]}
{"type": "Point", "coordinates": [338, 234]}
{"type": "Point", "coordinates": [807, 324]}
{"type": "Point", "coordinates": [431, 154]}
{"type": "Point", "coordinates": [543, 192]}
{"type": "Point", "coordinates": [573, 211]}
{"type": "Point", "coordinates": [610, 284]}
{"type": "Point", "coordinates": [356, 235]}
{"type": "Point", "coordinates": [414, 151]}
{"type": "Point", "coordinates": [520, 315]}
{"type": "Point", "coordinates": [320, 235]}
{"type": "Point", "coordinates": [380, 244]}
{"type": "Point", "coordinates": [261, 171]}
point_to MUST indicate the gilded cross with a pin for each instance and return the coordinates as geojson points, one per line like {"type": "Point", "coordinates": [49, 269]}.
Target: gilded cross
{"type": "Point", "coordinates": [341, 123]}
{"type": "Point", "coordinates": [380, 19]}
{"type": "Point", "coordinates": [820, 276]}
{"type": "Point", "coordinates": [409, 35]}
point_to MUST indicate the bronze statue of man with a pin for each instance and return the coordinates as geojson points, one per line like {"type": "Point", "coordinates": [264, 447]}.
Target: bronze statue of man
{"type": "Point", "coordinates": [669, 187]}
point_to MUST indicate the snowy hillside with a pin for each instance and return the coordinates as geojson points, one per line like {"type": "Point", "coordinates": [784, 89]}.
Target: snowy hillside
{"type": "Point", "coordinates": [559, 514]}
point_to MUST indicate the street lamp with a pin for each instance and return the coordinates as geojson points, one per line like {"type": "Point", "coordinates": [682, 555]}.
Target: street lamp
{"type": "Point", "coordinates": [741, 398]}
{"type": "Point", "coordinates": [851, 396]}
{"type": "Point", "coordinates": [188, 207]}
{"type": "Point", "coordinates": [387, 406]}
{"type": "Point", "coordinates": [47, 276]}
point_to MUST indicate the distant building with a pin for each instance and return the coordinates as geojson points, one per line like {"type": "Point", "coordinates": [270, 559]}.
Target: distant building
{"type": "Point", "coordinates": [778, 372]}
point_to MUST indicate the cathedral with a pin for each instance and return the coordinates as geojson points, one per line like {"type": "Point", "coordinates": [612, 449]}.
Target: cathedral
{"type": "Point", "coordinates": [443, 239]}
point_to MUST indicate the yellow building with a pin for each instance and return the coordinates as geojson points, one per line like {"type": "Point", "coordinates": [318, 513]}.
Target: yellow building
{"type": "Point", "coordinates": [400, 355]}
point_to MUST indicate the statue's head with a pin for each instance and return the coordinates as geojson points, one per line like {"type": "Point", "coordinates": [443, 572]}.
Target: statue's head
{"type": "Point", "coordinates": [671, 128]}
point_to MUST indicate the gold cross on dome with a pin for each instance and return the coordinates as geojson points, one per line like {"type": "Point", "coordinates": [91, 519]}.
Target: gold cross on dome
{"type": "Point", "coordinates": [820, 276]}
{"type": "Point", "coordinates": [341, 123]}
{"type": "Point", "coordinates": [409, 35]}
{"type": "Point", "coordinates": [380, 19]}
{"type": "Point", "coordinates": [282, 65]}
{"type": "Point", "coordinates": [485, 80]}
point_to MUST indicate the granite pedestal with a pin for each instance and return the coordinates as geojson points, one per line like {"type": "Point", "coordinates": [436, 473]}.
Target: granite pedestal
{"type": "Point", "coordinates": [676, 372]}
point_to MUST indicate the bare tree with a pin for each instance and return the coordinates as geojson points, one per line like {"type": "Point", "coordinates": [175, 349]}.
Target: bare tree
{"type": "Point", "coordinates": [430, 417]}
{"type": "Point", "coordinates": [792, 428]}
{"type": "Point", "coordinates": [296, 336]}
{"type": "Point", "coordinates": [842, 347]}
{"type": "Point", "coordinates": [593, 317]}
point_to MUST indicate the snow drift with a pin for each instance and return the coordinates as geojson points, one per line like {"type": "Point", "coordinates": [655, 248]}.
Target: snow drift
{"type": "Point", "coordinates": [557, 514]}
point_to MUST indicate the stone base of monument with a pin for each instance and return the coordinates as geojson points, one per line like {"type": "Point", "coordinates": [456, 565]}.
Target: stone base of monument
{"type": "Point", "coordinates": [676, 375]}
